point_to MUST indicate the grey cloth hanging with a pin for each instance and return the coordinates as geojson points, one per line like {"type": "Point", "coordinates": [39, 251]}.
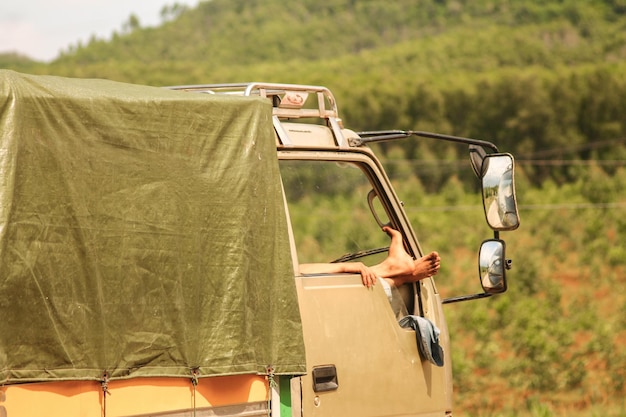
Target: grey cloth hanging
{"type": "Point", "coordinates": [427, 335]}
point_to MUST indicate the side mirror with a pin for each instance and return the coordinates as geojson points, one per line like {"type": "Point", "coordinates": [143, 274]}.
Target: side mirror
{"type": "Point", "coordinates": [491, 271]}
{"type": "Point", "coordinates": [498, 189]}
{"type": "Point", "coordinates": [492, 265]}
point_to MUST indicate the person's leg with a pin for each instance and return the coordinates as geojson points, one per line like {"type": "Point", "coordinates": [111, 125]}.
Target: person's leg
{"type": "Point", "coordinates": [401, 267]}
{"type": "Point", "coordinates": [398, 268]}
{"type": "Point", "coordinates": [425, 267]}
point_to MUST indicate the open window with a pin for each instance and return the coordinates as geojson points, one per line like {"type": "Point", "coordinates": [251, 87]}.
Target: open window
{"type": "Point", "coordinates": [337, 212]}
{"type": "Point", "coordinates": [330, 212]}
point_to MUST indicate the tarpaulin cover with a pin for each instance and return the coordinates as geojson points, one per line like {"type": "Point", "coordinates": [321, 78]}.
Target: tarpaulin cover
{"type": "Point", "coordinates": [142, 233]}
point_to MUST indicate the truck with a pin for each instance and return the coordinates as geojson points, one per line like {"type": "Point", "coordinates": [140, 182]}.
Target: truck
{"type": "Point", "coordinates": [151, 240]}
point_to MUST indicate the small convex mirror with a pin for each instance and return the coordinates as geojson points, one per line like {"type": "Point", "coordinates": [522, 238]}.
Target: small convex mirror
{"type": "Point", "coordinates": [498, 187]}
{"type": "Point", "coordinates": [492, 266]}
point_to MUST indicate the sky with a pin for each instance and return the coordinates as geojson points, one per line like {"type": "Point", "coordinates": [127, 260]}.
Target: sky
{"type": "Point", "coordinates": [41, 29]}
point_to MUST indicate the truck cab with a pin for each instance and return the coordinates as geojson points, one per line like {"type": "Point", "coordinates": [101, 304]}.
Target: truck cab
{"type": "Point", "coordinates": [360, 361]}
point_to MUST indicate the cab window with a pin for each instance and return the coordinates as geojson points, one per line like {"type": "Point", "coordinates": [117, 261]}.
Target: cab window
{"type": "Point", "coordinates": [330, 213]}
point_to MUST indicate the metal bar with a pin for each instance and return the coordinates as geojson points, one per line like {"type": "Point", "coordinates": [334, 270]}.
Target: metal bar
{"type": "Point", "coordinates": [339, 139]}
{"type": "Point", "coordinates": [385, 135]}
{"type": "Point", "coordinates": [283, 137]}
{"type": "Point", "coordinates": [465, 298]}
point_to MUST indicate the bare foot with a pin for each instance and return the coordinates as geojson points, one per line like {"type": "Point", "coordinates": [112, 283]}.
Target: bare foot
{"type": "Point", "coordinates": [401, 266]}
{"type": "Point", "coordinates": [426, 266]}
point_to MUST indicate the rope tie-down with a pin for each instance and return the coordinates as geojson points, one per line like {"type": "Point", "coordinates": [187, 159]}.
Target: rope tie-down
{"type": "Point", "coordinates": [195, 372]}
{"type": "Point", "coordinates": [104, 382]}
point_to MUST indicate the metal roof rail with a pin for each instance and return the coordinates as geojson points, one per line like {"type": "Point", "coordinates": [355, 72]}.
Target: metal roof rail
{"type": "Point", "coordinates": [290, 101]}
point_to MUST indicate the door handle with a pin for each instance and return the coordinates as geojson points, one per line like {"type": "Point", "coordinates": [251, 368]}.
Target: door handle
{"type": "Point", "coordinates": [325, 378]}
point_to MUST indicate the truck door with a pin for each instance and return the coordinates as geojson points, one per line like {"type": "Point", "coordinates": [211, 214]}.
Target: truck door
{"type": "Point", "coordinates": [360, 362]}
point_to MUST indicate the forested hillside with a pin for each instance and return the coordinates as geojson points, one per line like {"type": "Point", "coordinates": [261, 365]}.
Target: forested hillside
{"type": "Point", "coordinates": [544, 80]}
{"type": "Point", "coordinates": [534, 77]}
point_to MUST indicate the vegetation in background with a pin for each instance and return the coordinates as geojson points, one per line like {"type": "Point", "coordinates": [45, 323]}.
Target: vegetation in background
{"type": "Point", "coordinates": [545, 81]}
{"type": "Point", "coordinates": [556, 339]}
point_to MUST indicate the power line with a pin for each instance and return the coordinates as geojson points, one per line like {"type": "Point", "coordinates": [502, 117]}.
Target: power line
{"type": "Point", "coordinates": [524, 207]}
{"type": "Point", "coordinates": [594, 144]}
{"type": "Point", "coordinates": [537, 157]}
{"type": "Point", "coordinates": [538, 162]}
{"type": "Point", "coordinates": [573, 206]}
{"type": "Point", "coordinates": [569, 162]}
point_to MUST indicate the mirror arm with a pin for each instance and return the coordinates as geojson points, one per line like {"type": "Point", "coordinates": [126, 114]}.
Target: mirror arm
{"type": "Point", "coordinates": [385, 135]}
{"type": "Point", "coordinates": [465, 298]}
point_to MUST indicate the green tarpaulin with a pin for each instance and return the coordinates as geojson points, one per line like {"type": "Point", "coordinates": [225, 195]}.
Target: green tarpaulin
{"type": "Point", "coordinates": [142, 233]}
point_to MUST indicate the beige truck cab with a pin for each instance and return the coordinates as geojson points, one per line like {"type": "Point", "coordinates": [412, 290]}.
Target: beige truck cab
{"type": "Point", "coordinates": [359, 359]}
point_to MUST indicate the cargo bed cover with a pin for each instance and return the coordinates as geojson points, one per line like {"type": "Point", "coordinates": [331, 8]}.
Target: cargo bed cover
{"type": "Point", "coordinates": [142, 233]}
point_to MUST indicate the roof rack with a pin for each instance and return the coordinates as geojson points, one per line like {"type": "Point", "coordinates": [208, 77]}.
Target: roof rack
{"type": "Point", "coordinates": [288, 99]}
{"type": "Point", "coordinates": [289, 102]}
